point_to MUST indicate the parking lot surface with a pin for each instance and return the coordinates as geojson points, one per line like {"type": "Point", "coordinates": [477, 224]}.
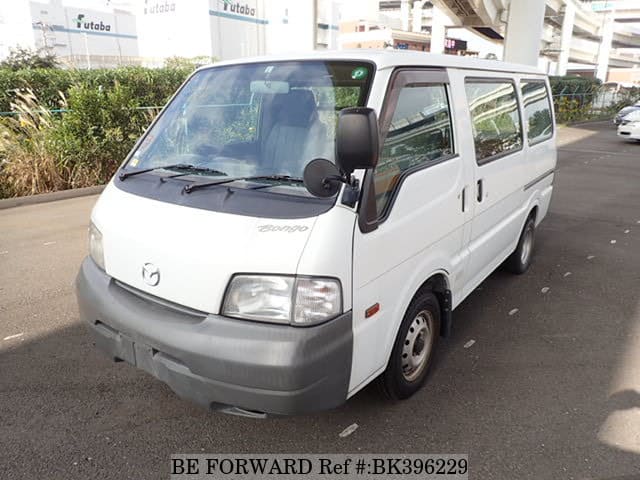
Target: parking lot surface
{"type": "Point", "coordinates": [549, 389]}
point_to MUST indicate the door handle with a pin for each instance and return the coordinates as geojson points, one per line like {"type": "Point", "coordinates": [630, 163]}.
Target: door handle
{"type": "Point", "coordinates": [480, 190]}
{"type": "Point", "coordinates": [463, 195]}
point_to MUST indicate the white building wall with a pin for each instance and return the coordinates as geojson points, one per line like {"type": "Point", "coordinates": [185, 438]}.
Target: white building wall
{"type": "Point", "coordinates": [238, 28]}
{"type": "Point", "coordinates": [280, 32]}
{"type": "Point", "coordinates": [79, 31]}
{"type": "Point", "coordinates": [226, 30]}
{"type": "Point", "coordinates": [176, 28]}
{"type": "Point", "coordinates": [291, 25]}
{"type": "Point", "coordinates": [298, 36]}
{"type": "Point", "coordinates": [158, 29]}
{"type": "Point", "coordinates": [328, 20]}
{"type": "Point", "coordinates": [107, 34]}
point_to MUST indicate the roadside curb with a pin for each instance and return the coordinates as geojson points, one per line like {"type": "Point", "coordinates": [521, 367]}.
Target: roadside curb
{"type": "Point", "coordinates": [587, 122]}
{"type": "Point", "coordinates": [49, 197]}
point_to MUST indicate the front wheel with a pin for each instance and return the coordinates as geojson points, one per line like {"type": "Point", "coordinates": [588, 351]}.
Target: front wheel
{"type": "Point", "coordinates": [520, 259]}
{"type": "Point", "coordinates": [413, 349]}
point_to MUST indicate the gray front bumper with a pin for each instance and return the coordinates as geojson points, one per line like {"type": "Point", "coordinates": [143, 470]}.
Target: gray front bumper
{"type": "Point", "coordinates": [215, 361]}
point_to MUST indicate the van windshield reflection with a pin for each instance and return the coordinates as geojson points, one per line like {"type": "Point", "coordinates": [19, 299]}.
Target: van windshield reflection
{"type": "Point", "coordinates": [262, 120]}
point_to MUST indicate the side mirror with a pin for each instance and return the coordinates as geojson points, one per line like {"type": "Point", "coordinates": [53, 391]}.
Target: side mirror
{"type": "Point", "coordinates": [322, 178]}
{"type": "Point", "coordinates": [357, 139]}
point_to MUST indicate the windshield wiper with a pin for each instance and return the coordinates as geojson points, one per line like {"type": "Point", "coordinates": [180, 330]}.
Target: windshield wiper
{"type": "Point", "coordinates": [124, 175]}
{"type": "Point", "coordinates": [283, 178]}
{"type": "Point", "coordinates": [190, 169]}
{"type": "Point", "coordinates": [176, 166]}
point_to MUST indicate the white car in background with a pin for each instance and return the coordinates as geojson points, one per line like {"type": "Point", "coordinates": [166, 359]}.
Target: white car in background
{"type": "Point", "coordinates": [630, 126]}
{"type": "Point", "coordinates": [624, 112]}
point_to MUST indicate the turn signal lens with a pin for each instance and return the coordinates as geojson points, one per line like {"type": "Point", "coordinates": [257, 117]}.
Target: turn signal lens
{"type": "Point", "coordinates": [317, 300]}
{"type": "Point", "coordinates": [96, 250]}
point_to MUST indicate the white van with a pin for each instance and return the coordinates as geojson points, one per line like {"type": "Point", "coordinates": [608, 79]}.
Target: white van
{"type": "Point", "coordinates": [291, 228]}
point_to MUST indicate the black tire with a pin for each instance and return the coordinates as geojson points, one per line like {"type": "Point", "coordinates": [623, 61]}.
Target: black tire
{"type": "Point", "coordinates": [520, 260]}
{"type": "Point", "coordinates": [399, 381]}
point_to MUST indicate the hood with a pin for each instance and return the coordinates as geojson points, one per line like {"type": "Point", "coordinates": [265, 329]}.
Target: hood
{"type": "Point", "coordinates": [194, 251]}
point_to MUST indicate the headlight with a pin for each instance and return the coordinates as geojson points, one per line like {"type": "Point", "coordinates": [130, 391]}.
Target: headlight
{"type": "Point", "coordinates": [95, 245]}
{"type": "Point", "coordinates": [299, 301]}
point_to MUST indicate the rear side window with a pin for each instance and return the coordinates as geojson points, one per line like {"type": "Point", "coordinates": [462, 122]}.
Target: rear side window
{"type": "Point", "coordinates": [537, 111]}
{"type": "Point", "coordinates": [419, 135]}
{"type": "Point", "coordinates": [497, 129]}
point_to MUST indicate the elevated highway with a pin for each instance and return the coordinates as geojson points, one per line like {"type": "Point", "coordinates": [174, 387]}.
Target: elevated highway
{"type": "Point", "coordinates": [561, 30]}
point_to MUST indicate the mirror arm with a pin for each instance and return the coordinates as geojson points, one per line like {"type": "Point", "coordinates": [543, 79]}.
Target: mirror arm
{"type": "Point", "coordinates": [351, 193]}
{"type": "Point", "coordinates": [345, 178]}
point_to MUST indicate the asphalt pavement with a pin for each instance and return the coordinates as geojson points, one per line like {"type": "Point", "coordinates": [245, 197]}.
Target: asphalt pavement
{"type": "Point", "coordinates": [548, 391]}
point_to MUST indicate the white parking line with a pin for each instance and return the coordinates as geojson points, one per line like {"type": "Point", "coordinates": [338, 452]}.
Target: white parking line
{"type": "Point", "coordinates": [11, 337]}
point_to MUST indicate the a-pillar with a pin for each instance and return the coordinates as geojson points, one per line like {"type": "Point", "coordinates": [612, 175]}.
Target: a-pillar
{"type": "Point", "coordinates": [524, 31]}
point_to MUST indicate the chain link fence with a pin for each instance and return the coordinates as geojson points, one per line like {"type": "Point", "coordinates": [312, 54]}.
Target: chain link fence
{"type": "Point", "coordinates": [573, 104]}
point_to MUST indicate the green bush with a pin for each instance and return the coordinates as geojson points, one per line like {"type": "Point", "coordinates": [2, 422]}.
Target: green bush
{"type": "Point", "coordinates": [98, 131]}
{"type": "Point", "coordinates": [152, 87]}
{"type": "Point", "coordinates": [100, 120]}
{"type": "Point", "coordinates": [23, 58]}
{"type": "Point", "coordinates": [571, 84]}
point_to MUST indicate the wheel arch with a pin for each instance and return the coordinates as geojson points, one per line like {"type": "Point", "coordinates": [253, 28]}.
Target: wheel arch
{"type": "Point", "coordinates": [438, 283]}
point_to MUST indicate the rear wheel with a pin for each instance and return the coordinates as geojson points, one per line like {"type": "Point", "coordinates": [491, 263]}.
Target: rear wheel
{"type": "Point", "coordinates": [413, 349]}
{"type": "Point", "coordinates": [520, 259]}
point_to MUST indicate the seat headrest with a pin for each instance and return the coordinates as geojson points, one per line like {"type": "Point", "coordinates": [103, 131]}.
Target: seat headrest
{"type": "Point", "coordinates": [296, 108]}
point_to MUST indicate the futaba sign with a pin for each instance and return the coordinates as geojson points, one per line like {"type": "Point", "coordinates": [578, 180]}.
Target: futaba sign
{"type": "Point", "coordinates": [84, 24]}
{"type": "Point", "coordinates": [236, 7]}
{"type": "Point", "coordinates": [158, 7]}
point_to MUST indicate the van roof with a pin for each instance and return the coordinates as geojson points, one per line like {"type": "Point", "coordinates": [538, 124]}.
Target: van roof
{"type": "Point", "coordinates": [394, 58]}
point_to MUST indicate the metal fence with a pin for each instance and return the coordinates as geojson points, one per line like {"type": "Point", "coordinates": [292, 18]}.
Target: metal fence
{"type": "Point", "coordinates": [599, 100]}
{"type": "Point", "coordinates": [569, 106]}
{"type": "Point", "coordinates": [65, 110]}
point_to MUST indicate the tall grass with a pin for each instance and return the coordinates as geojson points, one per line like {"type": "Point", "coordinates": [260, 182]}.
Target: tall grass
{"type": "Point", "coordinates": [26, 163]}
{"type": "Point", "coordinates": [43, 152]}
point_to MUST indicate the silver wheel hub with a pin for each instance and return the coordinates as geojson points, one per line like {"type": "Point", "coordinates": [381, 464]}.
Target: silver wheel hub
{"type": "Point", "coordinates": [417, 345]}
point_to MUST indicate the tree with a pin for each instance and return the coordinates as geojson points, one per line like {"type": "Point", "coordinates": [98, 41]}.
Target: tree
{"type": "Point", "coordinates": [24, 58]}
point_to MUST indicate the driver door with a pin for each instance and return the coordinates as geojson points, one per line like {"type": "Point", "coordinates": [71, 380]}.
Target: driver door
{"type": "Point", "coordinates": [423, 202]}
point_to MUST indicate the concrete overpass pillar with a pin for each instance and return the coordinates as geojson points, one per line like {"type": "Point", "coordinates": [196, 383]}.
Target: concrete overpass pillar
{"type": "Point", "coordinates": [404, 15]}
{"type": "Point", "coordinates": [417, 16]}
{"type": "Point", "coordinates": [524, 31]}
{"type": "Point", "coordinates": [438, 30]}
{"type": "Point", "coordinates": [565, 39]}
{"type": "Point", "coordinates": [605, 49]}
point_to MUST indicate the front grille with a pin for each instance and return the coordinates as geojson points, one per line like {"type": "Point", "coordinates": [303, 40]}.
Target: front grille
{"type": "Point", "coordinates": [197, 314]}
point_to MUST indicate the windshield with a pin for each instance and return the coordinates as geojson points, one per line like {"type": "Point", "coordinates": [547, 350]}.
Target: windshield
{"type": "Point", "coordinates": [633, 116]}
{"type": "Point", "coordinates": [254, 119]}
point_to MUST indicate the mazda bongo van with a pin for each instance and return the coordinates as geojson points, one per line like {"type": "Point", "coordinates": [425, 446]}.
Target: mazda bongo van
{"type": "Point", "coordinates": [290, 229]}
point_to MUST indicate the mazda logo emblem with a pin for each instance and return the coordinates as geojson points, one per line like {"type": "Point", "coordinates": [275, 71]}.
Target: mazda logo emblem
{"type": "Point", "coordinates": [150, 274]}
